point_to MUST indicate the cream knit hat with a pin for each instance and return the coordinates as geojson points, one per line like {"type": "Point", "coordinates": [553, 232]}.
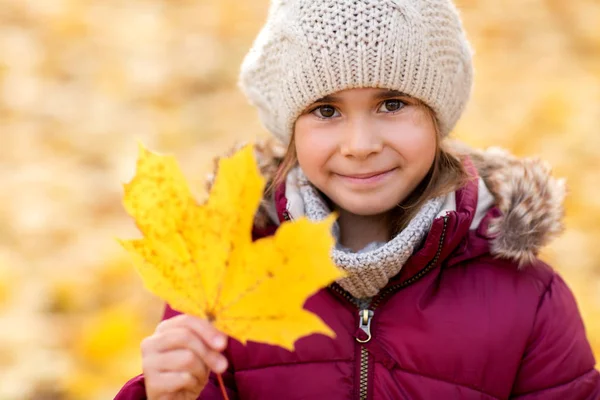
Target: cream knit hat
{"type": "Point", "coordinates": [311, 48]}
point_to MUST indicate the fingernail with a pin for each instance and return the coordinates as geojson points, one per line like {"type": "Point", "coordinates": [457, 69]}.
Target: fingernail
{"type": "Point", "coordinates": [219, 341]}
{"type": "Point", "coordinates": [221, 366]}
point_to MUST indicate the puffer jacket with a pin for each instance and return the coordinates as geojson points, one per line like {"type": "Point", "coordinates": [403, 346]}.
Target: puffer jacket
{"type": "Point", "coordinates": [473, 314]}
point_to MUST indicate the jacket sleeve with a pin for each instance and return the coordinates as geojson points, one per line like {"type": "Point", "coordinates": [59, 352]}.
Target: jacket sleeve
{"type": "Point", "coordinates": [558, 362]}
{"type": "Point", "coordinates": [135, 388]}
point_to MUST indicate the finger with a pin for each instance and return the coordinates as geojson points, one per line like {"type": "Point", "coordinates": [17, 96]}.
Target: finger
{"type": "Point", "coordinates": [179, 360]}
{"type": "Point", "coordinates": [175, 338]}
{"type": "Point", "coordinates": [209, 334]}
{"type": "Point", "coordinates": [171, 382]}
{"type": "Point", "coordinates": [172, 339]}
{"type": "Point", "coordinates": [185, 339]}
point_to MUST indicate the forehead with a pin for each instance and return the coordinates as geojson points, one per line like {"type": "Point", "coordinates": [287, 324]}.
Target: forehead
{"type": "Point", "coordinates": [360, 93]}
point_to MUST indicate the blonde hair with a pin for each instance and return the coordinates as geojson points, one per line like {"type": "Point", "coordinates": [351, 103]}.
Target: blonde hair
{"type": "Point", "coordinates": [446, 175]}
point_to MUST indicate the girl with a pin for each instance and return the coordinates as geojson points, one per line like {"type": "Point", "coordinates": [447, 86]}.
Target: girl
{"type": "Point", "coordinates": [444, 297]}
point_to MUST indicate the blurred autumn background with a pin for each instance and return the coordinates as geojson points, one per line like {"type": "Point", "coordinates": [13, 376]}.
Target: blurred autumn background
{"type": "Point", "coordinates": [83, 80]}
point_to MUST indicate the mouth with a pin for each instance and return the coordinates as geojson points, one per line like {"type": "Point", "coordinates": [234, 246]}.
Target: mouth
{"type": "Point", "coordinates": [367, 177]}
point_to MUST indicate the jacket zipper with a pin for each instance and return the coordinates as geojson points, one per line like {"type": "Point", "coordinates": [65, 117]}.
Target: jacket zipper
{"type": "Point", "coordinates": [365, 315]}
{"type": "Point", "coordinates": [286, 215]}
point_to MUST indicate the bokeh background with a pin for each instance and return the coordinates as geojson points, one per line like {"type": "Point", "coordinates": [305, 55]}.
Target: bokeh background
{"type": "Point", "coordinates": [81, 81]}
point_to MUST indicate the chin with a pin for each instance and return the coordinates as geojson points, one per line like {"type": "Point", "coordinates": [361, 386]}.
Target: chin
{"type": "Point", "coordinates": [367, 208]}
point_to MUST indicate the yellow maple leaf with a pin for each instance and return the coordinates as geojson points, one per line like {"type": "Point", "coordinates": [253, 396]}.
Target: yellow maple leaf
{"type": "Point", "coordinates": [201, 258]}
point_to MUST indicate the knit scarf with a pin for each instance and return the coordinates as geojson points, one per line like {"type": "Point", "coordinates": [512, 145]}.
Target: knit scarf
{"type": "Point", "coordinates": [370, 269]}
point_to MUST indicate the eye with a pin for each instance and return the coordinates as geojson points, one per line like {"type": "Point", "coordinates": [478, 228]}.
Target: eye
{"type": "Point", "coordinates": [392, 105]}
{"type": "Point", "coordinates": [325, 112]}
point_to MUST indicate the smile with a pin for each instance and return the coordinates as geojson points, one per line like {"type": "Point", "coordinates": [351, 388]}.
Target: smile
{"type": "Point", "coordinates": [372, 177]}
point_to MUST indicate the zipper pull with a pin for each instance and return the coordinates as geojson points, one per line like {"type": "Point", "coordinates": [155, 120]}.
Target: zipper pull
{"type": "Point", "coordinates": [364, 323]}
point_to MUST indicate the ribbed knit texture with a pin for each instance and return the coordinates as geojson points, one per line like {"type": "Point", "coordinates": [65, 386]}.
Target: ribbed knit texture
{"type": "Point", "coordinates": [311, 48]}
{"type": "Point", "coordinates": [370, 270]}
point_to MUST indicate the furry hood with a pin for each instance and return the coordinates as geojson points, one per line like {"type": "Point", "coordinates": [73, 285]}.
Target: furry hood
{"type": "Point", "coordinates": [523, 189]}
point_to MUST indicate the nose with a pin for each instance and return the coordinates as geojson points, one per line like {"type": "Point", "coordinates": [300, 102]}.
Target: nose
{"type": "Point", "coordinates": [360, 140]}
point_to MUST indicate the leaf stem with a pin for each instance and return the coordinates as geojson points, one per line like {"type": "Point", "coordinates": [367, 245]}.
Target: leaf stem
{"type": "Point", "coordinates": [222, 386]}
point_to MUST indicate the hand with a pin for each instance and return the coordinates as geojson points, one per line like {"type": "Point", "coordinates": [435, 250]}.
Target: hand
{"type": "Point", "coordinates": [178, 357]}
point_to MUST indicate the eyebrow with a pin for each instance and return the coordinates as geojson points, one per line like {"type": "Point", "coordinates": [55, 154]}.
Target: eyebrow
{"type": "Point", "coordinates": [327, 99]}
{"type": "Point", "coordinates": [384, 94]}
{"type": "Point", "coordinates": [390, 93]}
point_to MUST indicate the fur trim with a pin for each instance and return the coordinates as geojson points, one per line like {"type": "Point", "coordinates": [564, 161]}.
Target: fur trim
{"type": "Point", "coordinates": [530, 199]}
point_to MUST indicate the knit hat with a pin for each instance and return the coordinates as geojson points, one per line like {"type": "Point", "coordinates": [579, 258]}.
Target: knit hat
{"type": "Point", "coordinates": [312, 48]}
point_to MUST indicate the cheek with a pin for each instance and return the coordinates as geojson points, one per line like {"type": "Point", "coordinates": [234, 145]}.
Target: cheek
{"type": "Point", "coordinates": [415, 142]}
{"type": "Point", "coordinates": [313, 146]}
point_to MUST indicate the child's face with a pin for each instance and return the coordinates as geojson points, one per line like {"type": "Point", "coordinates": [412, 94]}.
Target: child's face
{"type": "Point", "coordinates": [366, 149]}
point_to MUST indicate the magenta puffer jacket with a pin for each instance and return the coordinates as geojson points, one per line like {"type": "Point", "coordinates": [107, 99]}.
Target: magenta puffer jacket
{"type": "Point", "coordinates": [472, 315]}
